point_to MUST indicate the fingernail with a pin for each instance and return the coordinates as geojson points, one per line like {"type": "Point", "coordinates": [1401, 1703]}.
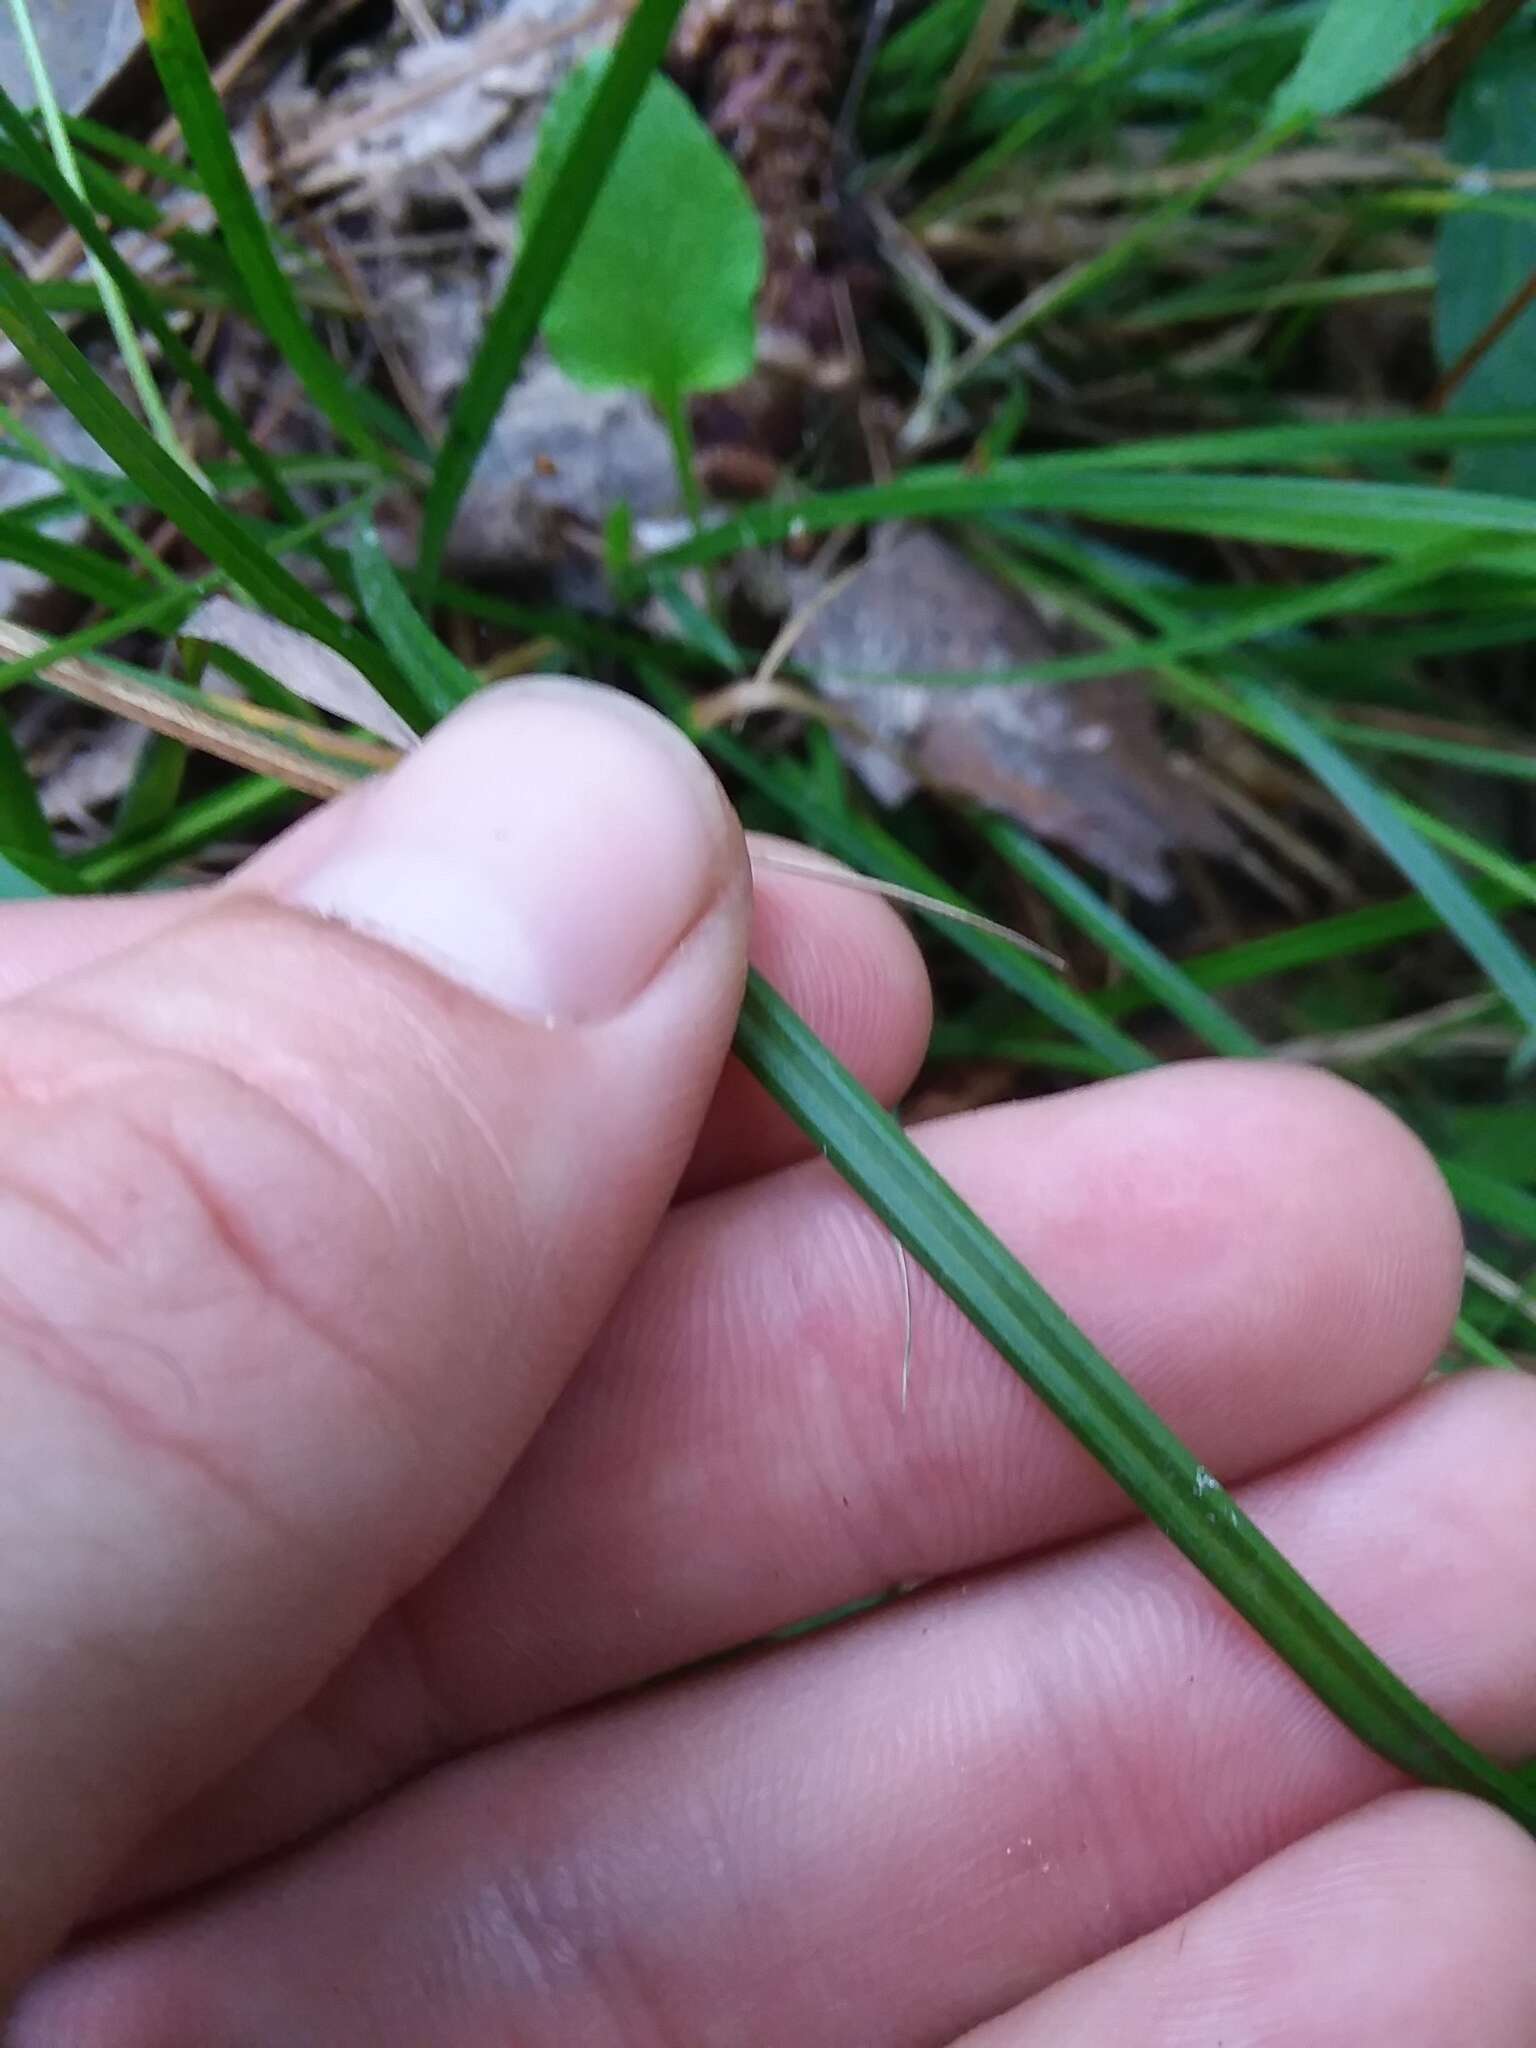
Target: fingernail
{"type": "Point", "coordinates": [550, 847]}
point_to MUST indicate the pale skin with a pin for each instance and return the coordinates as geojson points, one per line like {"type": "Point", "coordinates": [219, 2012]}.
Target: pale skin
{"type": "Point", "coordinates": [416, 1354]}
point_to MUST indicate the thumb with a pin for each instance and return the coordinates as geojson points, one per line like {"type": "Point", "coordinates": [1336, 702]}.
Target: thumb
{"type": "Point", "coordinates": [307, 1207]}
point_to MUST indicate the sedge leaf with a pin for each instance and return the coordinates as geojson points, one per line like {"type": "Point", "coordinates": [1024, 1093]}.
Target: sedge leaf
{"type": "Point", "coordinates": [1076, 1382]}
{"type": "Point", "coordinates": [658, 294]}
{"type": "Point", "coordinates": [1355, 49]}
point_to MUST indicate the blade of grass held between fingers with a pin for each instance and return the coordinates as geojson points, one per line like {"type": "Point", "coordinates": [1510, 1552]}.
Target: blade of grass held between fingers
{"type": "Point", "coordinates": [1051, 1355]}
{"type": "Point", "coordinates": [540, 262]}
{"type": "Point", "coordinates": [868, 1148]}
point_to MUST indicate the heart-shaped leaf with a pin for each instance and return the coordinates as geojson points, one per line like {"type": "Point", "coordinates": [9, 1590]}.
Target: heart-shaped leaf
{"type": "Point", "coordinates": [1355, 49]}
{"type": "Point", "coordinates": [658, 294]}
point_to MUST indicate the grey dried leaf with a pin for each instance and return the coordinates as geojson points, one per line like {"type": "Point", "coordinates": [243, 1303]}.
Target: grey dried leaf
{"type": "Point", "coordinates": [557, 462]}
{"type": "Point", "coordinates": [87, 766]}
{"type": "Point", "coordinates": [1079, 763]}
{"type": "Point", "coordinates": [315, 673]}
{"type": "Point", "coordinates": [449, 101]}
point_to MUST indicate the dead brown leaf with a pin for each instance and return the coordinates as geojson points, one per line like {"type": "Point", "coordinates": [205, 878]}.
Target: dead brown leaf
{"type": "Point", "coordinates": [1078, 763]}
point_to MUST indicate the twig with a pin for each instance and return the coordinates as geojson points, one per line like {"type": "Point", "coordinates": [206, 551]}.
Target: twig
{"type": "Point", "coordinates": [261, 741]}
{"type": "Point", "coordinates": [1488, 340]}
{"type": "Point", "coordinates": [339, 260]}
{"type": "Point", "coordinates": [1380, 1041]}
{"type": "Point", "coordinates": [1500, 1286]}
{"type": "Point", "coordinates": [416, 18]}
{"type": "Point", "coordinates": [813, 870]}
{"type": "Point", "coordinates": [988, 33]}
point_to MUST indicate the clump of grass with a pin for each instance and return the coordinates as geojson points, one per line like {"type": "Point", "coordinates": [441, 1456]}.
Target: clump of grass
{"type": "Point", "coordinates": [1143, 246]}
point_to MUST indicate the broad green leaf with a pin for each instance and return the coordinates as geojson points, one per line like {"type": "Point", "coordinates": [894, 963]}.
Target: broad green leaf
{"type": "Point", "coordinates": [1355, 49]}
{"type": "Point", "coordinates": [1483, 259]}
{"type": "Point", "coordinates": [658, 294]}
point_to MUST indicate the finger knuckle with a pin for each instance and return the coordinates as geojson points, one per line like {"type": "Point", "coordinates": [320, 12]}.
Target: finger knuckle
{"type": "Point", "coordinates": [168, 1226]}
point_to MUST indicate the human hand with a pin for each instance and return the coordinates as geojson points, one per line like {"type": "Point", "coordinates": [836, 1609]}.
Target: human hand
{"type": "Point", "coordinates": [306, 1221]}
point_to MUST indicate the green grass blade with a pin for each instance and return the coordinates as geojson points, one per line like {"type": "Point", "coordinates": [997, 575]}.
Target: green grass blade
{"type": "Point", "coordinates": [1483, 859]}
{"type": "Point", "coordinates": [1493, 1200]}
{"type": "Point", "coordinates": [194, 99]}
{"type": "Point", "coordinates": [152, 795]}
{"type": "Point", "coordinates": [1123, 485]}
{"type": "Point", "coordinates": [249, 805]}
{"type": "Point", "coordinates": [84, 570]}
{"type": "Point", "coordinates": [1161, 977]}
{"type": "Point", "coordinates": [439, 678]}
{"type": "Point", "coordinates": [161, 612]}
{"type": "Point", "coordinates": [97, 511]}
{"type": "Point", "coordinates": [23, 828]}
{"type": "Point", "coordinates": [1053, 1357]}
{"type": "Point", "coordinates": [129, 349]}
{"type": "Point", "coordinates": [1378, 815]}
{"type": "Point", "coordinates": [146, 310]}
{"type": "Point", "coordinates": [1515, 761]}
{"type": "Point", "coordinates": [1050, 300]}
{"type": "Point", "coordinates": [1342, 937]}
{"type": "Point", "coordinates": [1220, 302]}
{"type": "Point", "coordinates": [515, 319]}
{"type": "Point", "coordinates": [125, 149]}
{"type": "Point", "coordinates": [224, 539]}
{"type": "Point", "coordinates": [1481, 1350]}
